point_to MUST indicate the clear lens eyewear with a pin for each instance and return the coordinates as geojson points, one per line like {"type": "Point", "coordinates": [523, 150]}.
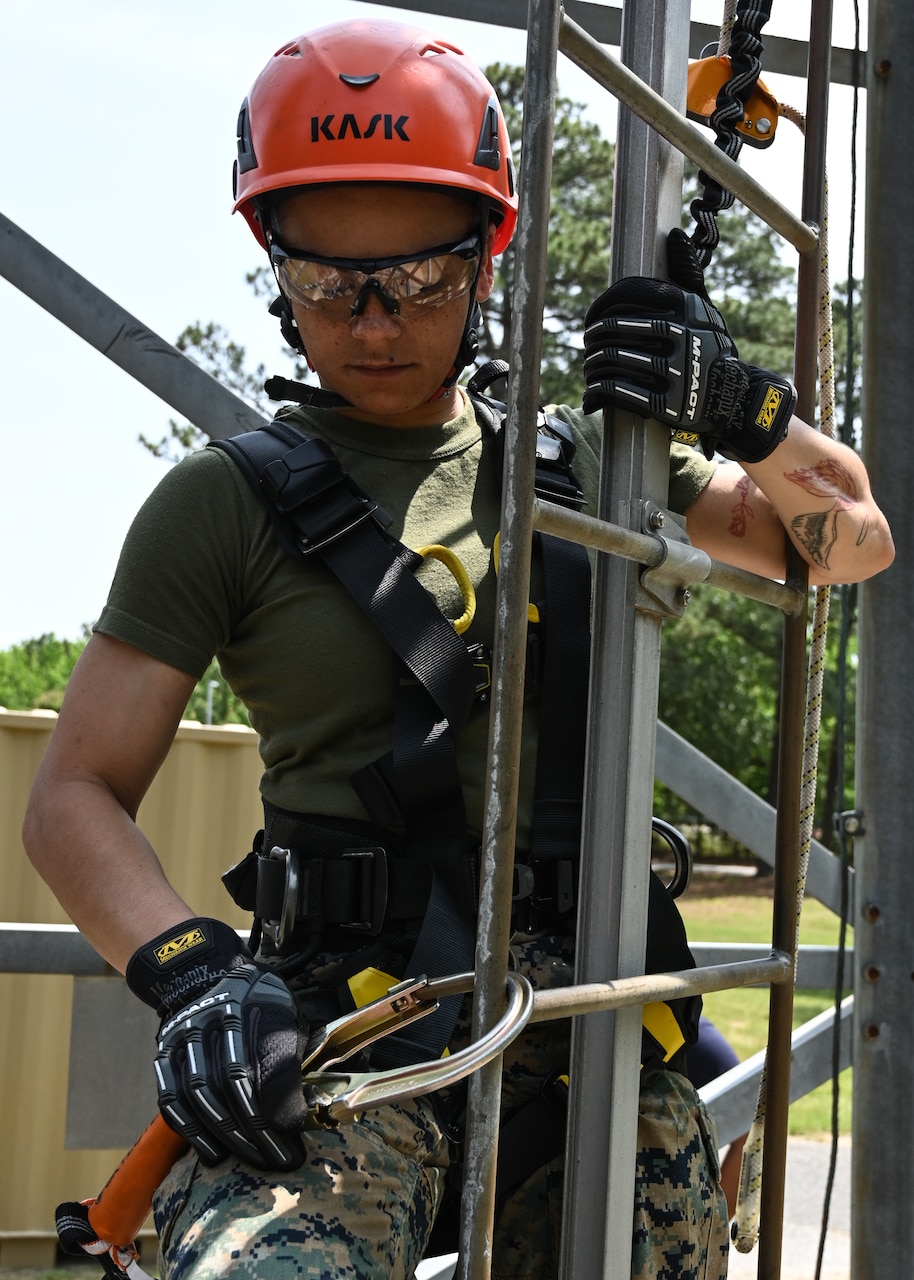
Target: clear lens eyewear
{"type": "Point", "coordinates": [406, 285]}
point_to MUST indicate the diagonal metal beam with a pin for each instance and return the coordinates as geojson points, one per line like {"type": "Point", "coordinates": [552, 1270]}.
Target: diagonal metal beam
{"type": "Point", "coordinates": [730, 805]}
{"type": "Point", "coordinates": [120, 336]}
{"type": "Point", "coordinates": [604, 23]}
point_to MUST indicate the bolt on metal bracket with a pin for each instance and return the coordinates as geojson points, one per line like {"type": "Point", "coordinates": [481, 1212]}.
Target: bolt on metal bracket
{"type": "Point", "coordinates": [667, 582]}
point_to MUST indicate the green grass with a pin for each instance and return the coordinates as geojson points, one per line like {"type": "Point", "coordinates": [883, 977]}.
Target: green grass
{"type": "Point", "coordinates": [78, 1271]}
{"type": "Point", "coordinates": [741, 1013]}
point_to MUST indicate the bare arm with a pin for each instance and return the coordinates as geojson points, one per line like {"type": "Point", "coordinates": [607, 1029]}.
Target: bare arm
{"type": "Point", "coordinates": [115, 728]}
{"type": "Point", "coordinates": [815, 488]}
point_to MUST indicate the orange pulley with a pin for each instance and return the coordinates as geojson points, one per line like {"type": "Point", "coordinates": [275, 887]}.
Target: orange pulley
{"type": "Point", "coordinates": [706, 78]}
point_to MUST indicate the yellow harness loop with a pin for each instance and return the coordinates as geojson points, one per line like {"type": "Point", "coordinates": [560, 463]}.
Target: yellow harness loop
{"type": "Point", "coordinates": [533, 614]}
{"type": "Point", "coordinates": [461, 577]}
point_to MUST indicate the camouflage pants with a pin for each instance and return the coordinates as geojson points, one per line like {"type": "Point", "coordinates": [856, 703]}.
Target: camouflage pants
{"type": "Point", "coordinates": [362, 1206]}
{"type": "Point", "coordinates": [363, 1203]}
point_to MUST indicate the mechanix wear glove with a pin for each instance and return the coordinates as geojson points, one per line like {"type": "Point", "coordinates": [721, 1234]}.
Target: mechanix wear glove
{"type": "Point", "coordinates": [230, 1046]}
{"type": "Point", "coordinates": [661, 349]}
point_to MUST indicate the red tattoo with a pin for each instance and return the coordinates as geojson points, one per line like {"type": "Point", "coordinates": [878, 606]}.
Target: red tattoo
{"type": "Point", "coordinates": [826, 480]}
{"type": "Point", "coordinates": [817, 531]}
{"type": "Point", "coordinates": [742, 512]}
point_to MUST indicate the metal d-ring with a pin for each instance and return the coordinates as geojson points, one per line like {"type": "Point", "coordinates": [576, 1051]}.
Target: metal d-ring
{"type": "Point", "coordinates": [336, 1098]}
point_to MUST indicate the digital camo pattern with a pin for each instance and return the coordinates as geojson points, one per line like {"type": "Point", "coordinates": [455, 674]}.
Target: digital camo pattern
{"type": "Point", "coordinates": [680, 1227]}
{"type": "Point", "coordinates": [363, 1203]}
{"type": "Point", "coordinates": [361, 1206]}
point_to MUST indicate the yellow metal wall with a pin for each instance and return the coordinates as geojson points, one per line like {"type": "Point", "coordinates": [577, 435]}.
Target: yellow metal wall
{"type": "Point", "coordinates": [200, 814]}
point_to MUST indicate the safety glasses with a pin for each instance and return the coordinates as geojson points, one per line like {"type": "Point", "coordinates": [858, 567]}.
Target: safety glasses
{"type": "Point", "coordinates": [407, 285]}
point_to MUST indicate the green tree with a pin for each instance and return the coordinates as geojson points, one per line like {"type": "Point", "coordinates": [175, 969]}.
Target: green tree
{"type": "Point", "coordinates": [578, 256]}
{"type": "Point", "coordinates": [718, 682]}
{"type": "Point", "coordinates": [34, 674]}
{"type": "Point", "coordinates": [213, 702]}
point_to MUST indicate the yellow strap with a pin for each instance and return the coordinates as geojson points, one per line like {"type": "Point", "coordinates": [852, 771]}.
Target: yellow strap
{"type": "Point", "coordinates": [370, 984]}
{"type": "Point", "coordinates": [461, 577]}
{"type": "Point", "coordinates": [659, 1020]}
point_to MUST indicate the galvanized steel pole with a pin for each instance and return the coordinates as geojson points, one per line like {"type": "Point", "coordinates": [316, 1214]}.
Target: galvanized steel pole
{"type": "Point", "coordinates": [882, 1235]}
{"type": "Point", "coordinates": [509, 653]}
{"type": "Point", "coordinates": [606, 1048]}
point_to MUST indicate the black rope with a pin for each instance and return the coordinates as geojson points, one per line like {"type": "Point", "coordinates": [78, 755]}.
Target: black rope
{"type": "Point", "coordinates": [746, 49]}
{"type": "Point", "coordinates": [848, 598]}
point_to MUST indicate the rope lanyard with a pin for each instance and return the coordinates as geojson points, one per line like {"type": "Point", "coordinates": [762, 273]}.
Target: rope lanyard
{"type": "Point", "coordinates": [742, 23]}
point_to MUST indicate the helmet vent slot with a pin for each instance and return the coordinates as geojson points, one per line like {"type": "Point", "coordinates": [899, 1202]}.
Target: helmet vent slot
{"type": "Point", "coordinates": [440, 46]}
{"type": "Point", "coordinates": [487, 153]}
{"type": "Point", "coordinates": [359, 82]}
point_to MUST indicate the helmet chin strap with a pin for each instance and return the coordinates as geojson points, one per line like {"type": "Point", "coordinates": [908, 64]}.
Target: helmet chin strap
{"type": "Point", "coordinates": [301, 393]}
{"type": "Point", "coordinates": [278, 388]}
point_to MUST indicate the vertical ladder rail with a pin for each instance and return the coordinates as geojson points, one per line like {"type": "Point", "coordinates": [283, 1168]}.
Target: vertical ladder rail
{"type": "Point", "coordinates": [509, 649]}
{"type": "Point", "coordinates": [785, 923]}
{"type": "Point", "coordinates": [606, 1048]}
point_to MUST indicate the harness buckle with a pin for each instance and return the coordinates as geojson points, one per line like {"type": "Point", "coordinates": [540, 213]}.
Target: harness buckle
{"type": "Point", "coordinates": [279, 929]}
{"type": "Point", "coordinates": [370, 890]}
{"type": "Point", "coordinates": [324, 502]}
{"type": "Point", "coordinates": [523, 881]}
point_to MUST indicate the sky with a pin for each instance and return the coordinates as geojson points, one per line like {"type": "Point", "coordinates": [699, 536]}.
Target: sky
{"type": "Point", "coordinates": [117, 155]}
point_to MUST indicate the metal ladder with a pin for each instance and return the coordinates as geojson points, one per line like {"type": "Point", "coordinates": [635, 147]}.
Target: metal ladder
{"type": "Point", "coordinates": [630, 601]}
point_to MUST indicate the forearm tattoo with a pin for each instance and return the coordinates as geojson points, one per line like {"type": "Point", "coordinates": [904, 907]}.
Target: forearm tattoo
{"type": "Point", "coordinates": [742, 512]}
{"type": "Point", "coordinates": [817, 531]}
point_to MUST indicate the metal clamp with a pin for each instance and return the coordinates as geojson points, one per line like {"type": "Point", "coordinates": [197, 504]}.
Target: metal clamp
{"type": "Point", "coordinates": [333, 1098]}
{"type": "Point", "coordinates": [667, 581]}
{"type": "Point", "coordinates": [348, 1034]}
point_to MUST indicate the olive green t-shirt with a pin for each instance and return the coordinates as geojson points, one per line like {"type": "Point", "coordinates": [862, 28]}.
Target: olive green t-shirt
{"type": "Point", "coordinates": [202, 574]}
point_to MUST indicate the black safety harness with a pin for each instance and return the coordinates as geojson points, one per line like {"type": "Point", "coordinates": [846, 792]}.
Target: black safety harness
{"type": "Point", "coordinates": [397, 895]}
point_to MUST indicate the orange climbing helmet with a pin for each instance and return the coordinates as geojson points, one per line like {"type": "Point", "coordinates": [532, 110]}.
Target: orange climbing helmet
{"type": "Point", "coordinates": [373, 101]}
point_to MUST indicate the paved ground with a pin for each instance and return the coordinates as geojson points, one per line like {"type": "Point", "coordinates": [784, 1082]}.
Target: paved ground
{"type": "Point", "coordinates": [807, 1173]}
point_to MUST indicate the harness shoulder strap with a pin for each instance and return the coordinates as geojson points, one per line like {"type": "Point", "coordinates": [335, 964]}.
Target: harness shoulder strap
{"type": "Point", "coordinates": [317, 509]}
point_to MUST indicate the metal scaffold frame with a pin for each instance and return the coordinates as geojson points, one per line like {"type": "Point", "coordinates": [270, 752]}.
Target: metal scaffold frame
{"type": "Point", "coordinates": [623, 681]}
{"type": "Point", "coordinates": [640, 575]}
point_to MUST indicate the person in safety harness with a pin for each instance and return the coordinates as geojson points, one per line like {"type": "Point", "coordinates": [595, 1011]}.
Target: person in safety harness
{"type": "Point", "coordinates": [375, 171]}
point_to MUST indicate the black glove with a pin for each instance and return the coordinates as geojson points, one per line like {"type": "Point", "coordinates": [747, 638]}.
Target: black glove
{"type": "Point", "coordinates": [662, 350]}
{"type": "Point", "coordinates": [228, 1067]}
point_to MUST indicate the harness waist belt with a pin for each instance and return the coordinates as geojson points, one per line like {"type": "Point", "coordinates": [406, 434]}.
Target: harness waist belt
{"type": "Point", "coordinates": [362, 889]}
